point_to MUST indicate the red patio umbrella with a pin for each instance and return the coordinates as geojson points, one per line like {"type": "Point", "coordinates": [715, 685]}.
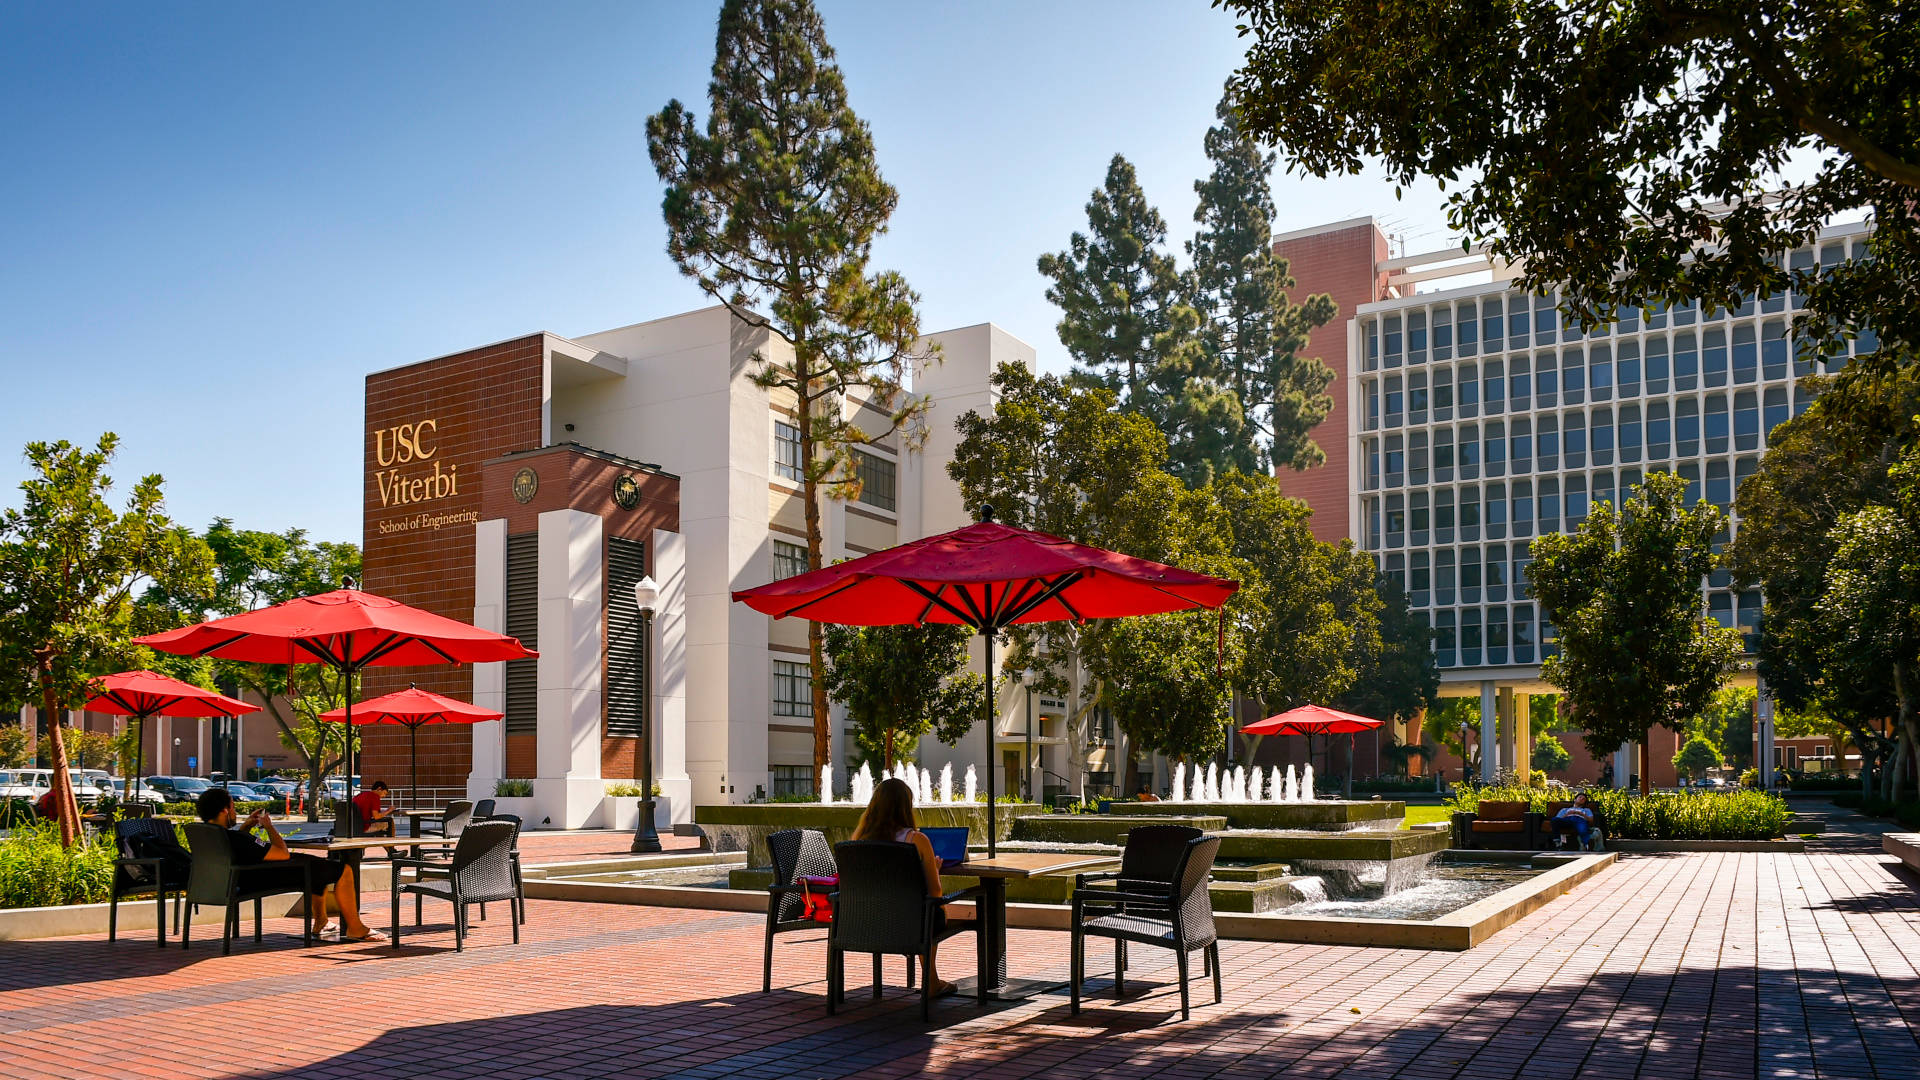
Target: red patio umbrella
{"type": "Point", "coordinates": [412, 708]}
{"type": "Point", "coordinates": [143, 694]}
{"type": "Point", "coordinates": [1310, 720]}
{"type": "Point", "coordinates": [346, 630]}
{"type": "Point", "coordinates": [987, 576]}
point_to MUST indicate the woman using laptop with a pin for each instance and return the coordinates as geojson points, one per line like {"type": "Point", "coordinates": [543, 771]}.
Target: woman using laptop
{"type": "Point", "coordinates": [890, 817]}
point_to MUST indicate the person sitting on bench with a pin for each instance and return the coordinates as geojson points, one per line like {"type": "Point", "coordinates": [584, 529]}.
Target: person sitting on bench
{"type": "Point", "coordinates": [375, 819]}
{"type": "Point", "coordinates": [1577, 819]}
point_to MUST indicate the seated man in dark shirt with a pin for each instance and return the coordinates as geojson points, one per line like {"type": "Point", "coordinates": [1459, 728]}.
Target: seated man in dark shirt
{"type": "Point", "coordinates": [216, 806]}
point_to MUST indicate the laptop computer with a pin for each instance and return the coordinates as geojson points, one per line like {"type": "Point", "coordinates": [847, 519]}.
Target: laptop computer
{"type": "Point", "coordinates": [950, 844]}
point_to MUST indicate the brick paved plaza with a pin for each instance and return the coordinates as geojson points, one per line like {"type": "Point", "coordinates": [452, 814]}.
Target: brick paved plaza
{"type": "Point", "coordinates": [1721, 965]}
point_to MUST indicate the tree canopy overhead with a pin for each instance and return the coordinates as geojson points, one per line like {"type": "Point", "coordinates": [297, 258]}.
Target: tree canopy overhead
{"type": "Point", "coordinates": [773, 209]}
{"type": "Point", "coordinates": [1668, 125]}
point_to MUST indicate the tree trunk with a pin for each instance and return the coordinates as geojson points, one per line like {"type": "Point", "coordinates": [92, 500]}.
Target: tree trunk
{"type": "Point", "coordinates": [816, 558]}
{"type": "Point", "coordinates": [1903, 743]}
{"type": "Point", "coordinates": [64, 805]}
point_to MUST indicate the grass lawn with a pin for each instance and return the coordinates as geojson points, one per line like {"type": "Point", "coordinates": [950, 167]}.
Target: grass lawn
{"type": "Point", "coordinates": [1420, 815]}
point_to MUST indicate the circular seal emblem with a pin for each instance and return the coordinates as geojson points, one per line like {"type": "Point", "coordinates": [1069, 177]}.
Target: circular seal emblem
{"type": "Point", "coordinates": [626, 491]}
{"type": "Point", "coordinates": [526, 484]}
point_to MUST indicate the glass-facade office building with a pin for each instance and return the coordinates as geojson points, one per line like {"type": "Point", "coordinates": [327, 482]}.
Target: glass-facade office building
{"type": "Point", "coordinates": [1482, 419]}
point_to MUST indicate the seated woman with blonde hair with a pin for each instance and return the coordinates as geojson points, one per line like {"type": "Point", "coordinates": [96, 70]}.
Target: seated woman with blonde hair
{"type": "Point", "coordinates": [890, 817]}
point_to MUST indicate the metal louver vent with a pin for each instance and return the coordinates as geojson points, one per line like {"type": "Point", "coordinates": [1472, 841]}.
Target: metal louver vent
{"type": "Point", "coordinates": [523, 622]}
{"type": "Point", "coordinates": [625, 690]}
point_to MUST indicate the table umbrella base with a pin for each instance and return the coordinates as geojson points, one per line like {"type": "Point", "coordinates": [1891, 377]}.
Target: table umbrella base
{"type": "Point", "coordinates": [1010, 990]}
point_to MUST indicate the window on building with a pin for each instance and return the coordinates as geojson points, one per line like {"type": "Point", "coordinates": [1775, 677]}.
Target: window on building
{"type": "Point", "coordinates": [1573, 440]}
{"type": "Point", "coordinates": [1655, 312]}
{"type": "Point", "coordinates": [1470, 512]}
{"type": "Point", "coordinates": [1467, 381]}
{"type": "Point", "coordinates": [1496, 635]}
{"type": "Point", "coordinates": [1373, 404]}
{"type": "Point", "coordinates": [1373, 523]}
{"type": "Point", "coordinates": [1519, 384]}
{"type": "Point", "coordinates": [1690, 472]}
{"type": "Point", "coordinates": [1549, 505]}
{"type": "Point", "coordinates": [1446, 645]}
{"type": "Point", "coordinates": [1396, 461]}
{"type": "Point", "coordinates": [1777, 410]}
{"type": "Point", "coordinates": [1443, 455]}
{"type": "Point", "coordinates": [1602, 487]}
{"type": "Point", "coordinates": [1659, 431]}
{"type": "Point", "coordinates": [1573, 375]}
{"type": "Point", "coordinates": [1600, 436]}
{"type": "Point", "coordinates": [1746, 420]}
{"type": "Point", "coordinates": [1686, 312]}
{"type": "Point", "coordinates": [786, 451]}
{"type": "Point", "coordinates": [1522, 508]}
{"type": "Point", "coordinates": [1626, 369]}
{"type": "Point", "coordinates": [1443, 333]}
{"type": "Point", "coordinates": [1393, 341]}
{"type": "Point", "coordinates": [1686, 361]}
{"type": "Point", "coordinates": [792, 779]}
{"type": "Point", "coordinates": [1469, 451]}
{"type": "Point", "coordinates": [1493, 448]}
{"type": "Point", "coordinates": [1494, 510]}
{"type": "Point", "coordinates": [1719, 484]}
{"type": "Point", "coordinates": [1444, 583]}
{"type": "Point", "coordinates": [1523, 633]}
{"type": "Point", "coordinates": [1546, 443]}
{"type": "Point", "coordinates": [1443, 515]}
{"type": "Point", "coordinates": [1600, 372]}
{"type": "Point", "coordinates": [1686, 427]}
{"type": "Point", "coordinates": [1417, 398]}
{"type": "Point", "coordinates": [1716, 424]}
{"type": "Point", "coordinates": [1467, 319]}
{"type": "Point", "coordinates": [1396, 402]}
{"type": "Point", "coordinates": [1520, 444]}
{"type": "Point", "coordinates": [1417, 458]}
{"type": "Point", "coordinates": [1371, 331]}
{"type": "Point", "coordinates": [792, 689]}
{"type": "Point", "coordinates": [1746, 358]}
{"type": "Point", "coordinates": [1416, 337]}
{"type": "Point", "coordinates": [1773, 349]}
{"type": "Point", "coordinates": [1492, 332]}
{"type": "Point", "coordinates": [1420, 581]}
{"type": "Point", "coordinates": [1396, 521]}
{"type": "Point", "coordinates": [1470, 642]}
{"type": "Point", "coordinates": [1496, 571]}
{"type": "Point", "coordinates": [1443, 394]}
{"type": "Point", "coordinates": [1576, 501]}
{"type": "Point", "coordinates": [1629, 433]}
{"type": "Point", "coordinates": [1396, 572]}
{"type": "Point", "coordinates": [1493, 385]}
{"type": "Point", "coordinates": [1546, 381]}
{"type": "Point", "coordinates": [1720, 608]}
{"type": "Point", "coordinates": [876, 479]}
{"type": "Point", "coordinates": [1470, 570]}
{"type": "Point", "coordinates": [1656, 366]}
{"type": "Point", "coordinates": [789, 560]}
{"type": "Point", "coordinates": [1545, 318]}
{"type": "Point", "coordinates": [1713, 356]}
{"type": "Point", "coordinates": [1419, 517]}
{"type": "Point", "coordinates": [1373, 464]}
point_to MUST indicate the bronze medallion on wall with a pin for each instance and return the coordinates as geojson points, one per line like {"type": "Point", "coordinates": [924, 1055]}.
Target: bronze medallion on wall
{"type": "Point", "coordinates": [526, 484]}
{"type": "Point", "coordinates": [626, 491]}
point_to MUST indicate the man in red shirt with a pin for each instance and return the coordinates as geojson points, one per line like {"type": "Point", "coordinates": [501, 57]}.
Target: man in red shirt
{"type": "Point", "coordinates": [374, 818]}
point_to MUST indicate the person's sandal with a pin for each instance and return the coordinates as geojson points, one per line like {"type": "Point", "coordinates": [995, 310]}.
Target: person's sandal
{"type": "Point", "coordinates": [372, 935]}
{"type": "Point", "coordinates": [943, 988]}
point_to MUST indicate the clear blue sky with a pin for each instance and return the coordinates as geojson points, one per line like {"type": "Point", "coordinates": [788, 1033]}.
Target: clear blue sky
{"type": "Point", "coordinates": [217, 219]}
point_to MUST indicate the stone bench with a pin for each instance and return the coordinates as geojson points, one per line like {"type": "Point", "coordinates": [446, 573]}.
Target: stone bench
{"type": "Point", "coordinates": [1903, 846]}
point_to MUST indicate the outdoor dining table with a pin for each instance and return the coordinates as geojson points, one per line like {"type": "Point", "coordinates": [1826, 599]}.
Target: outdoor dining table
{"type": "Point", "coordinates": [352, 850]}
{"type": "Point", "coordinates": [994, 873]}
{"type": "Point", "coordinates": [415, 817]}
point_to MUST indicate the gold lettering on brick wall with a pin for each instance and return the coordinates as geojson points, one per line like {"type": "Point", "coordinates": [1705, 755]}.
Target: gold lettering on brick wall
{"type": "Point", "coordinates": [403, 444]}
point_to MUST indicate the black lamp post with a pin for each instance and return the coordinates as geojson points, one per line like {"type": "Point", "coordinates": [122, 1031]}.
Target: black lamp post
{"type": "Point", "coordinates": [646, 596]}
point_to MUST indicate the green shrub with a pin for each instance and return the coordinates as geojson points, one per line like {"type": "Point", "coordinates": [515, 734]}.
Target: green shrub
{"type": "Point", "coordinates": [624, 789]}
{"type": "Point", "coordinates": [1824, 782]}
{"type": "Point", "coordinates": [35, 871]}
{"type": "Point", "coordinates": [1906, 813]}
{"type": "Point", "coordinates": [187, 810]}
{"type": "Point", "coordinates": [1418, 785]}
{"type": "Point", "coordinates": [513, 789]}
{"type": "Point", "coordinates": [1665, 815]}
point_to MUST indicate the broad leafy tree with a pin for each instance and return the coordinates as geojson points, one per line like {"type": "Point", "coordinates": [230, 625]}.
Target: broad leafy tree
{"type": "Point", "coordinates": [773, 208]}
{"type": "Point", "coordinates": [1549, 754]}
{"type": "Point", "coordinates": [1869, 616]}
{"type": "Point", "coordinates": [1251, 334]}
{"type": "Point", "coordinates": [70, 565]}
{"type": "Point", "coordinates": [1627, 150]}
{"type": "Point", "coordinates": [1403, 678]}
{"type": "Point", "coordinates": [1624, 591]}
{"type": "Point", "coordinates": [1696, 756]}
{"type": "Point", "coordinates": [1831, 461]}
{"type": "Point", "coordinates": [901, 682]}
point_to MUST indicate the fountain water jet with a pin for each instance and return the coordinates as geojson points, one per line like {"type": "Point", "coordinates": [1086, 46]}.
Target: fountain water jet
{"type": "Point", "coordinates": [970, 783]}
{"type": "Point", "coordinates": [1306, 785]}
{"type": "Point", "coordinates": [946, 782]}
{"type": "Point", "coordinates": [826, 783]}
{"type": "Point", "coordinates": [1179, 781]}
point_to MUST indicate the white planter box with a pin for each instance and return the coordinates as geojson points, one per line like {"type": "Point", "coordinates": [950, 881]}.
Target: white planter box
{"type": "Point", "coordinates": [622, 813]}
{"type": "Point", "coordinates": [520, 807]}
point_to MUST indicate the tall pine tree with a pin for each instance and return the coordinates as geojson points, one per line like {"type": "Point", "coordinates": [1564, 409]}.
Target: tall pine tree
{"type": "Point", "coordinates": [1122, 316]}
{"type": "Point", "coordinates": [1250, 333]}
{"type": "Point", "coordinates": [773, 209]}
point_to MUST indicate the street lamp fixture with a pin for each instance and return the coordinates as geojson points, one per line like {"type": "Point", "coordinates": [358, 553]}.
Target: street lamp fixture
{"type": "Point", "coordinates": [646, 597]}
{"type": "Point", "coordinates": [1027, 677]}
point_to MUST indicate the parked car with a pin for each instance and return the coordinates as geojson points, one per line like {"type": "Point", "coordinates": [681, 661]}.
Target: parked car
{"type": "Point", "coordinates": [147, 794]}
{"type": "Point", "coordinates": [281, 787]}
{"type": "Point", "coordinates": [177, 788]}
{"type": "Point", "coordinates": [250, 792]}
{"type": "Point", "coordinates": [23, 783]}
{"type": "Point", "coordinates": [86, 790]}
{"type": "Point", "coordinates": [1710, 783]}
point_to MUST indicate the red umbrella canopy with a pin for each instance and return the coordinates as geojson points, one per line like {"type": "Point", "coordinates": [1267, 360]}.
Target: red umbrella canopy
{"type": "Point", "coordinates": [149, 693]}
{"type": "Point", "coordinates": [413, 707]}
{"type": "Point", "coordinates": [1311, 720]}
{"type": "Point", "coordinates": [345, 628]}
{"type": "Point", "coordinates": [987, 576]}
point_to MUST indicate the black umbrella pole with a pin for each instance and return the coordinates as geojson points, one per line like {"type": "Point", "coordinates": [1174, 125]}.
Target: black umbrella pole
{"type": "Point", "coordinates": [993, 747]}
{"type": "Point", "coordinates": [413, 755]}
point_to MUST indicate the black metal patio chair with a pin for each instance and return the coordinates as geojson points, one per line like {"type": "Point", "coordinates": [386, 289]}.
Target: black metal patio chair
{"type": "Point", "coordinates": [217, 880]}
{"type": "Point", "coordinates": [151, 862]}
{"type": "Point", "coordinates": [797, 853]}
{"type": "Point", "coordinates": [481, 870]}
{"type": "Point", "coordinates": [882, 906]}
{"type": "Point", "coordinates": [1180, 919]}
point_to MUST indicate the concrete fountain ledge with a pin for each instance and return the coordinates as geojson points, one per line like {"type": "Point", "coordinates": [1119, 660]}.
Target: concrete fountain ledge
{"type": "Point", "coordinates": [746, 826]}
{"type": "Point", "coordinates": [1322, 814]}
